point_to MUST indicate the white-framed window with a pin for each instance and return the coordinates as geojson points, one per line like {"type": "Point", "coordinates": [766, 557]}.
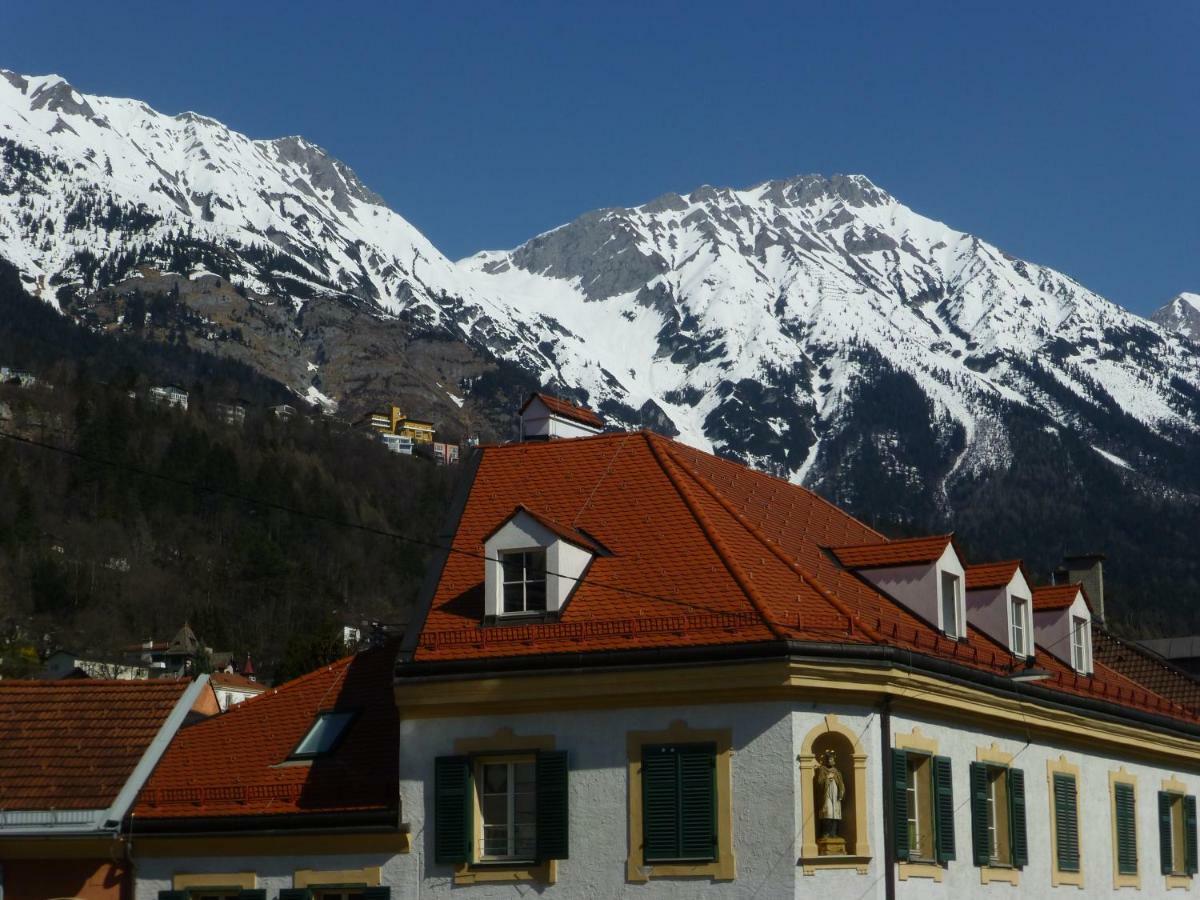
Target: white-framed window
{"type": "Point", "coordinates": [524, 574]}
{"type": "Point", "coordinates": [919, 791]}
{"type": "Point", "coordinates": [1018, 627]}
{"type": "Point", "coordinates": [1079, 643]}
{"type": "Point", "coordinates": [507, 808]}
{"type": "Point", "coordinates": [951, 605]}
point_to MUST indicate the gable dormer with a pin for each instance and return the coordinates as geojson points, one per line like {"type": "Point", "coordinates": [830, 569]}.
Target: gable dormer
{"type": "Point", "coordinates": [532, 564]}
{"type": "Point", "coordinates": [544, 417]}
{"type": "Point", "coordinates": [926, 575]}
{"type": "Point", "coordinates": [1062, 623]}
{"type": "Point", "coordinates": [1000, 604]}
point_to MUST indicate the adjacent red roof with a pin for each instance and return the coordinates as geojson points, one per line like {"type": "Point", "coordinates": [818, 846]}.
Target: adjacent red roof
{"type": "Point", "coordinates": [566, 409]}
{"type": "Point", "coordinates": [992, 575]}
{"type": "Point", "coordinates": [237, 763]}
{"type": "Point", "coordinates": [880, 554]}
{"type": "Point", "coordinates": [73, 744]}
{"type": "Point", "coordinates": [1056, 596]}
{"type": "Point", "coordinates": [703, 552]}
{"type": "Point", "coordinates": [234, 680]}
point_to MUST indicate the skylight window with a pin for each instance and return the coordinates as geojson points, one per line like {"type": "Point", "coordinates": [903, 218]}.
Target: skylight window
{"type": "Point", "coordinates": [326, 733]}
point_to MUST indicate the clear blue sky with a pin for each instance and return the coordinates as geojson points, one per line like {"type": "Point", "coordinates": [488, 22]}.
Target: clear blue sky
{"type": "Point", "coordinates": [1065, 132]}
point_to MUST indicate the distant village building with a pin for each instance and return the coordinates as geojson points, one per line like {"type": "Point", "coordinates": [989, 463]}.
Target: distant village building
{"type": "Point", "coordinates": [64, 664]}
{"type": "Point", "coordinates": [232, 688]}
{"type": "Point", "coordinates": [169, 395]}
{"type": "Point", "coordinates": [18, 377]}
{"type": "Point", "coordinates": [445, 454]}
{"type": "Point", "coordinates": [184, 654]}
{"type": "Point", "coordinates": [233, 413]}
{"type": "Point", "coordinates": [283, 411]}
{"type": "Point", "coordinates": [395, 422]}
{"type": "Point", "coordinates": [544, 417]}
{"type": "Point", "coordinates": [397, 443]}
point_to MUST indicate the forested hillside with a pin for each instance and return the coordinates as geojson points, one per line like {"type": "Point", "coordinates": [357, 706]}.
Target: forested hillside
{"type": "Point", "coordinates": [97, 555]}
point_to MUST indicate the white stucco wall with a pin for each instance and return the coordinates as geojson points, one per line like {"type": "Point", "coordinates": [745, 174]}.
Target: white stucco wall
{"type": "Point", "coordinates": [990, 610]}
{"type": "Point", "coordinates": [962, 877]}
{"type": "Point", "coordinates": [1053, 629]}
{"type": "Point", "coordinates": [523, 532]}
{"type": "Point", "coordinates": [919, 587]}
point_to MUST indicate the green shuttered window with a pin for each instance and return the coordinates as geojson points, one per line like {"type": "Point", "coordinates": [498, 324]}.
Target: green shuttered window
{"type": "Point", "coordinates": [922, 799]}
{"type": "Point", "coordinates": [899, 796]}
{"type": "Point", "coordinates": [1125, 816]}
{"type": "Point", "coordinates": [1016, 818]}
{"type": "Point", "coordinates": [679, 809]}
{"type": "Point", "coordinates": [454, 803]}
{"type": "Point", "coordinates": [1177, 833]}
{"type": "Point", "coordinates": [943, 808]}
{"type": "Point", "coordinates": [998, 835]}
{"type": "Point", "coordinates": [1066, 822]}
{"type": "Point", "coordinates": [1189, 834]}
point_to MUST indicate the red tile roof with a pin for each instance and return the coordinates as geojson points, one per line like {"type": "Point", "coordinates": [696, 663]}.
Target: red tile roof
{"type": "Point", "coordinates": [234, 680]}
{"type": "Point", "coordinates": [883, 553]}
{"type": "Point", "coordinates": [703, 552]}
{"type": "Point", "coordinates": [572, 535]}
{"type": "Point", "coordinates": [236, 763]}
{"type": "Point", "coordinates": [992, 574]}
{"type": "Point", "coordinates": [1056, 596]}
{"type": "Point", "coordinates": [73, 744]}
{"type": "Point", "coordinates": [566, 409]}
{"type": "Point", "coordinates": [1146, 668]}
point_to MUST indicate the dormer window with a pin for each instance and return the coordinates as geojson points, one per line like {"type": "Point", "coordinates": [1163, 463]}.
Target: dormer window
{"type": "Point", "coordinates": [1062, 619]}
{"type": "Point", "coordinates": [1019, 627]}
{"type": "Point", "coordinates": [524, 580]}
{"type": "Point", "coordinates": [951, 605]}
{"type": "Point", "coordinates": [532, 565]}
{"type": "Point", "coordinates": [1080, 639]}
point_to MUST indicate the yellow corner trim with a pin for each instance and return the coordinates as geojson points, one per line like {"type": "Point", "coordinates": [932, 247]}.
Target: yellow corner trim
{"type": "Point", "coordinates": [1178, 882]}
{"type": "Point", "coordinates": [907, 870]}
{"type": "Point", "coordinates": [367, 876]}
{"type": "Point", "coordinates": [480, 873]}
{"type": "Point", "coordinates": [993, 755]}
{"type": "Point", "coordinates": [241, 880]}
{"type": "Point", "coordinates": [999, 874]}
{"type": "Point", "coordinates": [724, 867]}
{"type": "Point", "coordinates": [915, 740]}
{"type": "Point", "coordinates": [1059, 878]}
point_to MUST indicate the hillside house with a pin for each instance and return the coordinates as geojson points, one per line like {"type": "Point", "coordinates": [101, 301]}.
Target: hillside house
{"type": "Point", "coordinates": [396, 424]}
{"type": "Point", "coordinates": [170, 395]}
{"type": "Point", "coordinates": [233, 413]}
{"type": "Point", "coordinates": [544, 417]}
{"type": "Point", "coordinates": [65, 664]}
{"type": "Point", "coordinates": [19, 377]}
{"type": "Point", "coordinates": [445, 454]}
{"type": "Point", "coordinates": [73, 757]}
{"type": "Point", "coordinates": [232, 688]}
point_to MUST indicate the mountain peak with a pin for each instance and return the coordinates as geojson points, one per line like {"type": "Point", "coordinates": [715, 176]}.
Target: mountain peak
{"type": "Point", "coordinates": [1180, 314]}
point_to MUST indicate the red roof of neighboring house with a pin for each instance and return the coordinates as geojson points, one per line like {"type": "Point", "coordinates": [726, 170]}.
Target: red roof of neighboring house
{"type": "Point", "coordinates": [880, 554]}
{"type": "Point", "coordinates": [1057, 596]}
{"type": "Point", "coordinates": [1147, 668]}
{"type": "Point", "coordinates": [236, 681]}
{"type": "Point", "coordinates": [703, 552]}
{"type": "Point", "coordinates": [236, 764]}
{"type": "Point", "coordinates": [566, 409]}
{"type": "Point", "coordinates": [992, 574]}
{"type": "Point", "coordinates": [73, 744]}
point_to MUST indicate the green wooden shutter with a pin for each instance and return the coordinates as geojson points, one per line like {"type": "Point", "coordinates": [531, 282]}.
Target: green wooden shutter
{"type": "Point", "coordinates": [295, 894]}
{"type": "Point", "coordinates": [1189, 834]}
{"type": "Point", "coordinates": [254, 894]}
{"type": "Point", "coordinates": [981, 849]}
{"type": "Point", "coordinates": [452, 809]}
{"type": "Point", "coordinates": [698, 802]}
{"type": "Point", "coordinates": [943, 808]}
{"type": "Point", "coordinates": [1019, 840]}
{"type": "Point", "coordinates": [900, 802]}
{"type": "Point", "coordinates": [660, 804]}
{"type": "Point", "coordinates": [552, 812]}
{"type": "Point", "coordinates": [377, 893]}
{"type": "Point", "coordinates": [1066, 822]}
{"type": "Point", "coordinates": [1125, 815]}
{"type": "Point", "coordinates": [1165, 854]}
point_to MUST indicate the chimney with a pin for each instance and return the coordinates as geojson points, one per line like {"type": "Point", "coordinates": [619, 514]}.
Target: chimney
{"type": "Point", "coordinates": [1088, 569]}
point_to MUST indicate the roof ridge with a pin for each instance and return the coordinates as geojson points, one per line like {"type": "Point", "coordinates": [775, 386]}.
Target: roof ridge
{"type": "Point", "coordinates": [806, 577]}
{"type": "Point", "coordinates": [717, 544]}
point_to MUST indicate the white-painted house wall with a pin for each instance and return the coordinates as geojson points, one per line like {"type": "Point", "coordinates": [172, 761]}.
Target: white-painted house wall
{"type": "Point", "coordinates": [523, 532]}
{"type": "Point", "coordinates": [919, 587]}
{"type": "Point", "coordinates": [539, 422]}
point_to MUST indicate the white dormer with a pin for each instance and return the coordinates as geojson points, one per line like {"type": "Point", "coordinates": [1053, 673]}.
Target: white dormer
{"type": "Point", "coordinates": [924, 574]}
{"type": "Point", "coordinates": [1062, 622]}
{"type": "Point", "coordinates": [544, 417]}
{"type": "Point", "coordinates": [532, 565]}
{"type": "Point", "coordinates": [1000, 604]}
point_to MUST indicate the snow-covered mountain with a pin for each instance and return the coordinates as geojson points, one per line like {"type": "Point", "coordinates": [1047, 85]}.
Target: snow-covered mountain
{"type": "Point", "coordinates": [1182, 314]}
{"type": "Point", "coordinates": [816, 327]}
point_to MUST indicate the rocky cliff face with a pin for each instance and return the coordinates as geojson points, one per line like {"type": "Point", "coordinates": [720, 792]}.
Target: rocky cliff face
{"type": "Point", "coordinates": [1181, 315]}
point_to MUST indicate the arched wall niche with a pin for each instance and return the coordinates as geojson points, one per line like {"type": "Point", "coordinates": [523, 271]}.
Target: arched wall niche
{"type": "Point", "coordinates": [832, 734]}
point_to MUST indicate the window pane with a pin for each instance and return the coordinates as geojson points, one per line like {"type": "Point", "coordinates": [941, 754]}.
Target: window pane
{"type": "Point", "coordinates": [950, 604]}
{"type": "Point", "coordinates": [324, 733]}
{"type": "Point", "coordinates": [1018, 627]}
{"type": "Point", "coordinates": [512, 564]}
{"type": "Point", "coordinates": [514, 597]}
{"type": "Point", "coordinates": [535, 596]}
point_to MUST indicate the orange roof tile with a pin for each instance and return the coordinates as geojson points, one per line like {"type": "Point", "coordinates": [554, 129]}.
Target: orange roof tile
{"type": "Point", "coordinates": [907, 552]}
{"type": "Point", "coordinates": [229, 765]}
{"type": "Point", "coordinates": [565, 532]}
{"type": "Point", "coordinates": [73, 744]}
{"type": "Point", "coordinates": [234, 680]}
{"type": "Point", "coordinates": [1056, 596]}
{"type": "Point", "coordinates": [703, 552]}
{"type": "Point", "coordinates": [566, 409]}
{"type": "Point", "coordinates": [992, 574]}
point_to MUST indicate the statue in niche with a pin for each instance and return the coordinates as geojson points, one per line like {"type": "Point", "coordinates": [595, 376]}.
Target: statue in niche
{"type": "Point", "coordinates": [831, 791]}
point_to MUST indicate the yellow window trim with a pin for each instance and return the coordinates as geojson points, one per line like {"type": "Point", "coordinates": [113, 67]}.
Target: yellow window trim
{"type": "Point", "coordinates": [243, 881]}
{"type": "Point", "coordinates": [506, 744]}
{"type": "Point", "coordinates": [1120, 880]}
{"type": "Point", "coordinates": [724, 867]}
{"type": "Point", "coordinates": [367, 876]}
{"type": "Point", "coordinates": [1059, 878]}
{"type": "Point", "coordinates": [918, 742]}
{"type": "Point", "coordinates": [993, 756]}
{"type": "Point", "coordinates": [861, 856]}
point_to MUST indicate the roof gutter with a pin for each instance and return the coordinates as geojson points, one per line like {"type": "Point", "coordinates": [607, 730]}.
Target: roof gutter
{"type": "Point", "coordinates": [362, 822]}
{"type": "Point", "coordinates": [158, 746]}
{"type": "Point", "coordinates": [876, 655]}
